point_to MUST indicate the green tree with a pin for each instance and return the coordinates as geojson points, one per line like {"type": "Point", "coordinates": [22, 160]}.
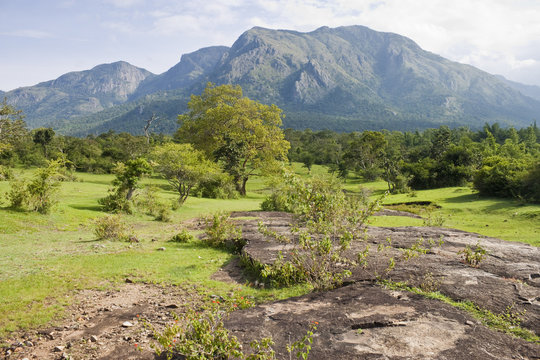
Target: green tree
{"type": "Point", "coordinates": [242, 134]}
{"type": "Point", "coordinates": [12, 126]}
{"type": "Point", "coordinates": [183, 167]}
{"type": "Point", "coordinates": [125, 183]}
{"type": "Point", "coordinates": [43, 137]}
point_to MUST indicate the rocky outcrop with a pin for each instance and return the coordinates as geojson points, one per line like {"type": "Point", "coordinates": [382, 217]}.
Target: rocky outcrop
{"type": "Point", "coordinates": [396, 324]}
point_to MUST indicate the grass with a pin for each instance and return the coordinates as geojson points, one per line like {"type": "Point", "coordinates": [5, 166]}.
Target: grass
{"type": "Point", "coordinates": [45, 259]}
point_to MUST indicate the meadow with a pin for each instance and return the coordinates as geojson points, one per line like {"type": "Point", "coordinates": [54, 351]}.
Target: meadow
{"type": "Point", "coordinates": [45, 259]}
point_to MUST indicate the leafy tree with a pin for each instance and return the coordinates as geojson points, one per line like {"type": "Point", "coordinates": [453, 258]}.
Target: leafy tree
{"type": "Point", "coordinates": [43, 137]}
{"type": "Point", "coordinates": [38, 194]}
{"type": "Point", "coordinates": [127, 177]}
{"type": "Point", "coordinates": [365, 154]}
{"type": "Point", "coordinates": [500, 176]}
{"type": "Point", "coordinates": [183, 167]}
{"type": "Point", "coordinates": [12, 126]}
{"type": "Point", "coordinates": [242, 134]}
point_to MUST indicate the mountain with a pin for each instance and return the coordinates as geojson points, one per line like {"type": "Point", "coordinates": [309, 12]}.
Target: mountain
{"type": "Point", "coordinates": [345, 78]}
{"type": "Point", "coordinates": [532, 91]}
{"type": "Point", "coordinates": [78, 93]}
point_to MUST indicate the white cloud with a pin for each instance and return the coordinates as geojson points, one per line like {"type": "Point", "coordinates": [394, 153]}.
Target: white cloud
{"type": "Point", "coordinates": [28, 33]}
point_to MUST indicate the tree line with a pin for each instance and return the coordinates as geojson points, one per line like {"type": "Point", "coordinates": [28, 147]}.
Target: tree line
{"type": "Point", "coordinates": [225, 138]}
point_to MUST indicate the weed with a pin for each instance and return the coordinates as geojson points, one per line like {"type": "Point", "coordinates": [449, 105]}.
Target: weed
{"type": "Point", "coordinates": [182, 237]}
{"type": "Point", "coordinates": [110, 227]}
{"type": "Point", "coordinates": [473, 257]}
{"type": "Point", "coordinates": [302, 347]}
{"type": "Point", "coordinates": [220, 231]}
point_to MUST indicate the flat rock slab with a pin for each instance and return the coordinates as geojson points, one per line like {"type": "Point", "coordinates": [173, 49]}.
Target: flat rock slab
{"type": "Point", "coordinates": [363, 321]}
{"type": "Point", "coordinates": [507, 280]}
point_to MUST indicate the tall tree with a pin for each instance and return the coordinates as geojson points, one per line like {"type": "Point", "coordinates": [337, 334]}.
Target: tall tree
{"type": "Point", "coordinates": [43, 137]}
{"type": "Point", "coordinates": [242, 134]}
{"type": "Point", "coordinates": [12, 126]}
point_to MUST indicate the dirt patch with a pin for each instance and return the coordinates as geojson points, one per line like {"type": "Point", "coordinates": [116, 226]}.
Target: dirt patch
{"type": "Point", "coordinates": [106, 324]}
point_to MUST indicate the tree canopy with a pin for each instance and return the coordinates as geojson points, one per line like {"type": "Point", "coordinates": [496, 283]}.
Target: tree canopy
{"type": "Point", "coordinates": [242, 134]}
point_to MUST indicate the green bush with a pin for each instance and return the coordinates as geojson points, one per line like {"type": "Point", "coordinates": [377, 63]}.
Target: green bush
{"type": "Point", "coordinates": [5, 173]}
{"type": "Point", "coordinates": [220, 231]}
{"type": "Point", "coordinates": [220, 186]}
{"type": "Point", "coordinates": [500, 176]}
{"type": "Point", "coordinates": [182, 237]}
{"type": "Point", "coordinates": [116, 202]}
{"type": "Point", "coordinates": [39, 193]}
{"type": "Point", "coordinates": [111, 227]}
{"type": "Point", "coordinates": [148, 202]}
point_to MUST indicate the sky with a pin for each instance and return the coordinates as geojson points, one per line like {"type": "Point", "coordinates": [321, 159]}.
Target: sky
{"type": "Point", "coordinates": [43, 39]}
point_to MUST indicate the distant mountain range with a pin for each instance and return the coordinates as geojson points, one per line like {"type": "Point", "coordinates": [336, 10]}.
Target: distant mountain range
{"type": "Point", "coordinates": [344, 79]}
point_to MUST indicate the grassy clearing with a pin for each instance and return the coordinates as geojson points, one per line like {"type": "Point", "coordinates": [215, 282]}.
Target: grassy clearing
{"type": "Point", "coordinates": [46, 258]}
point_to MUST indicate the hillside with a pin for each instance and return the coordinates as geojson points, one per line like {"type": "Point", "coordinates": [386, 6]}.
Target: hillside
{"type": "Point", "coordinates": [346, 78]}
{"type": "Point", "coordinates": [78, 93]}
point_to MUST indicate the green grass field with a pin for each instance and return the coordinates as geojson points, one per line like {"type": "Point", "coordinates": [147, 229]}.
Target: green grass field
{"type": "Point", "coordinates": [46, 257]}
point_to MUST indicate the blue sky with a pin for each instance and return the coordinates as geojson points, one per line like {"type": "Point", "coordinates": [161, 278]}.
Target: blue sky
{"type": "Point", "coordinates": [43, 39]}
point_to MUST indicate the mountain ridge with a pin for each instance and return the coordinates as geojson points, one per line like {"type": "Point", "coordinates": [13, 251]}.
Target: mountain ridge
{"type": "Point", "coordinates": [346, 78]}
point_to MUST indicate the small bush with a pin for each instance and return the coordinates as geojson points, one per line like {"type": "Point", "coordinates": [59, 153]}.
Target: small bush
{"type": "Point", "coordinates": [473, 257]}
{"type": "Point", "coordinates": [182, 237]}
{"type": "Point", "coordinates": [116, 202]}
{"type": "Point", "coordinates": [111, 227]}
{"type": "Point", "coordinates": [5, 173]}
{"type": "Point", "coordinates": [220, 231]}
{"type": "Point", "coordinates": [148, 201]}
{"type": "Point", "coordinates": [218, 187]}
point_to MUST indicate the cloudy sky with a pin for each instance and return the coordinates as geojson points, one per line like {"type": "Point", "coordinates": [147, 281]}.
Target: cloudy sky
{"type": "Point", "coordinates": [43, 39]}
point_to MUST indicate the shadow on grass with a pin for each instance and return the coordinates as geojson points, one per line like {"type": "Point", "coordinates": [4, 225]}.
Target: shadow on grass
{"type": "Point", "coordinates": [463, 198]}
{"type": "Point", "coordinates": [87, 207]}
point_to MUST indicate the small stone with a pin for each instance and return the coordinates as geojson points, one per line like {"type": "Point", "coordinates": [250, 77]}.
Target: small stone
{"type": "Point", "coordinates": [127, 324]}
{"type": "Point", "coordinates": [133, 239]}
{"type": "Point", "coordinates": [25, 359]}
{"type": "Point", "coordinates": [172, 306]}
{"type": "Point", "coordinates": [469, 322]}
{"type": "Point", "coordinates": [161, 249]}
{"type": "Point", "coordinates": [18, 349]}
{"type": "Point", "coordinates": [28, 343]}
{"type": "Point", "coordinates": [93, 338]}
{"type": "Point", "coordinates": [59, 348]}
{"type": "Point", "coordinates": [129, 281]}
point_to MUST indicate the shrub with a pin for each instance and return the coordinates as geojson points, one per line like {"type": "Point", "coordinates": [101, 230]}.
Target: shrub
{"type": "Point", "coordinates": [182, 237]}
{"type": "Point", "coordinates": [200, 336]}
{"type": "Point", "coordinates": [5, 173]}
{"type": "Point", "coordinates": [116, 202]}
{"type": "Point", "coordinates": [220, 231]}
{"type": "Point", "coordinates": [220, 186]}
{"type": "Point", "coordinates": [111, 227]}
{"type": "Point", "coordinates": [37, 194]}
{"type": "Point", "coordinates": [148, 201]}
{"type": "Point", "coordinates": [473, 257]}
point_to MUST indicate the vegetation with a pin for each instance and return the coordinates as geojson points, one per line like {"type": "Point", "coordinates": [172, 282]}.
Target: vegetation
{"type": "Point", "coordinates": [244, 136]}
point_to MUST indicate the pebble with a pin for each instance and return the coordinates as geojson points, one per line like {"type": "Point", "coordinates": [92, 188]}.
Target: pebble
{"type": "Point", "coordinates": [93, 338]}
{"type": "Point", "coordinates": [58, 348]}
{"type": "Point", "coordinates": [161, 249]}
{"type": "Point", "coordinates": [127, 324]}
{"type": "Point", "coordinates": [28, 343]}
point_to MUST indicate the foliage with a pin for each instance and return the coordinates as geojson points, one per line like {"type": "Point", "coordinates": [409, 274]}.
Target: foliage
{"type": "Point", "coordinates": [12, 126]}
{"type": "Point", "coordinates": [473, 257]}
{"type": "Point", "coordinates": [43, 137]}
{"type": "Point", "coordinates": [329, 220]}
{"type": "Point", "coordinates": [199, 336]}
{"type": "Point", "coordinates": [220, 231]}
{"type": "Point", "coordinates": [183, 236]}
{"type": "Point", "coordinates": [183, 167]}
{"type": "Point", "coordinates": [5, 173]}
{"type": "Point", "coordinates": [302, 347]}
{"type": "Point", "coordinates": [111, 227]}
{"type": "Point", "coordinates": [39, 193]}
{"type": "Point", "coordinates": [242, 134]}
{"type": "Point", "coordinates": [127, 177]}
{"type": "Point", "coordinates": [219, 186]}
{"type": "Point", "coordinates": [148, 201]}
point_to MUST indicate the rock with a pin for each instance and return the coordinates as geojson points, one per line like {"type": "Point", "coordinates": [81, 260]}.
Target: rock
{"type": "Point", "coordinates": [161, 249]}
{"type": "Point", "coordinates": [28, 343]}
{"type": "Point", "coordinates": [127, 324]}
{"type": "Point", "coordinates": [93, 338]}
{"type": "Point", "coordinates": [59, 348]}
{"type": "Point", "coordinates": [133, 239]}
{"type": "Point", "coordinates": [129, 281]}
{"type": "Point", "coordinates": [171, 306]}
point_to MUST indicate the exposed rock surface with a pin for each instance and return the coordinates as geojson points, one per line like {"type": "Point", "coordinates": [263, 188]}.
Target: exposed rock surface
{"type": "Point", "coordinates": [507, 280]}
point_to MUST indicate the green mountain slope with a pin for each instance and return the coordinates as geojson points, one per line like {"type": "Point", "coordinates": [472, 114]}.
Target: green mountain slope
{"type": "Point", "coordinates": [78, 93]}
{"type": "Point", "coordinates": [345, 78]}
